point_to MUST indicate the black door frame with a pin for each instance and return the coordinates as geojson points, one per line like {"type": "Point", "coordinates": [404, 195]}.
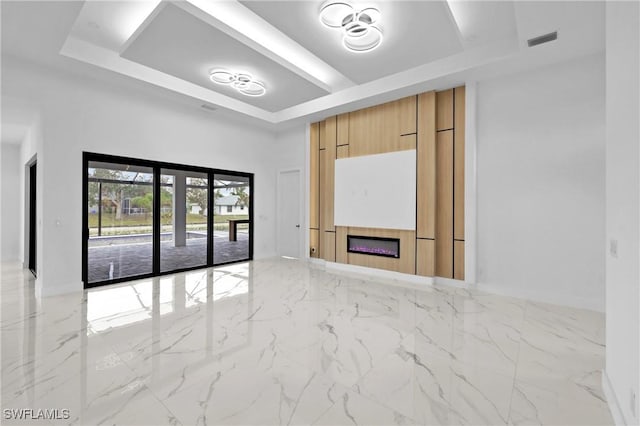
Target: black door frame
{"type": "Point", "coordinates": [157, 166]}
{"type": "Point", "coordinates": [32, 262]}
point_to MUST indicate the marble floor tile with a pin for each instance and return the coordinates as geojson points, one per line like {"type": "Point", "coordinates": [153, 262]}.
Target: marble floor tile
{"type": "Point", "coordinates": [285, 342]}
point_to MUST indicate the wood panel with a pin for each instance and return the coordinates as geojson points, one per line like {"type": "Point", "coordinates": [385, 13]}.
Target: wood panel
{"type": "Point", "coordinates": [341, 244]}
{"type": "Point", "coordinates": [458, 166]}
{"type": "Point", "coordinates": [322, 165]}
{"type": "Point", "coordinates": [444, 204]}
{"type": "Point", "coordinates": [342, 132]}
{"type": "Point", "coordinates": [426, 166]}
{"type": "Point", "coordinates": [378, 129]}
{"type": "Point", "coordinates": [425, 257]}
{"type": "Point", "coordinates": [314, 249]}
{"type": "Point", "coordinates": [342, 151]}
{"type": "Point", "coordinates": [458, 260]}
{"type": "Point", "coordinates": [314, 177]}
{"type": "Point", "coordinates": [444, 110]}
{"type": "Point", "coordinates": [322, 132]}
{"type": "Point", "coordinates": [407, 115]}
{"type": "Point", "coordinates": [408, 141]}
{"type": "Point", "coordinates": [406, 262]}
{"type": "Point", "coordinates": [331, 131]}
{"type": "Point", "coordinates": [329, 246]}
{"type": "Point", "coordinates": [327, 181]}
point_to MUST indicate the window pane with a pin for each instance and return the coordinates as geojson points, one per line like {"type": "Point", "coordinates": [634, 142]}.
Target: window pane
{"type": "Point", "coordinates": [231, 218]}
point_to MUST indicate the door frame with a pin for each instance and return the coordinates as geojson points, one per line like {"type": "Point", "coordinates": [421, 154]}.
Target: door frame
{"type": "Point", "coordinates": [157, 166]}
{"type": "Point", "coordinates": [31, 216]}
{"type": "Point", "coordinates": [300, 209]}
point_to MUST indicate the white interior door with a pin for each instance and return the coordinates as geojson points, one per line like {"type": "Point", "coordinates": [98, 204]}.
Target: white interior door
{"type": "Point", "coordinates": [289, 213]}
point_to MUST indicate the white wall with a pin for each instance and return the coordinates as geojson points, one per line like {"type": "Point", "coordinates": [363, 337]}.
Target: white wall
{"type": "Point", "coordinates": [623, 209]}
{"type": "Point", "coordinates": [11, 199]}
{"type": "Point", "coordinates": [540, 183]}
{"type": "Point", "coordinates": [81, 115]}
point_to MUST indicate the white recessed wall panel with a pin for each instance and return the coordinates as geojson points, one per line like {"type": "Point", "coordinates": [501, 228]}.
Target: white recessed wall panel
{"type": "Point", "coordinates": [376, 191]}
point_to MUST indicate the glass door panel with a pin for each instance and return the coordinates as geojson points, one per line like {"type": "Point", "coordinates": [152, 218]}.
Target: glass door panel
{"type": "Point", "coordinates": [231, 235]}
{"type": "Point", "coordinates": [120, 221]}
{"type": "Point", "coordinates": [183, 207]}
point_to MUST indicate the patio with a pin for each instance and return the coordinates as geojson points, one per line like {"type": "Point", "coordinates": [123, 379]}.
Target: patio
{"type": "Point", "coordinates": [113, 258]}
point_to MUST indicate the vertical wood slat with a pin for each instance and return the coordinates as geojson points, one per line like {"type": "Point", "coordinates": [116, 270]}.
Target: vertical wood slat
{"type": "Point", "coordinates": [322, 164]}
{"type": "Point", "coordinates": [342, 131]}
{"type": "Point", "coordinates": [444, 114]}
{"type": "Point", "coordinates": [314, 249]}
{"type": "Point", "coordinates": [444, 204]}
{"type": "Point", "coordinates": [328, 190]}
{"type": "Point", "coordinates": [314, 177]}
{"type": "Point", "coordinates": [458, 154]}
{"type": "Point", "coordinates": [331, 132]}
{"type": "Point", "coordinates": [322, 132]}
{"type": "Point", "coordinates": [458, 261]}
{"type": "Point", "coordinates": [329, 246]}
{"type": "Point", "coordinates": [425, 257]}
{"type": "Point", "coordinates": [341, 244]}
{"type": "Point", "coordinates": [426, 166]}
{"type": "Point", "coordinates": [342, 151]}
{"type": "Point", "coordinates": [406, 109]}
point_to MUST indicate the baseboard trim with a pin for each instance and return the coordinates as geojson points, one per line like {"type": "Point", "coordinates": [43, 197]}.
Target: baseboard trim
{"type": "Point", "coordinates": [57, 290]}
{"type": "Point", "coordinates": [612, 401]}
{"type": "Point", "coordinates": [380, 273]}
{"type": "Point", "coordinates": [553, 299]}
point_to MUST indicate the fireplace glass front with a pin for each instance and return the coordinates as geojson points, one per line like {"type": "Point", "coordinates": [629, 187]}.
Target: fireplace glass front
{"type": "Point", "coordinates": [376, 246]}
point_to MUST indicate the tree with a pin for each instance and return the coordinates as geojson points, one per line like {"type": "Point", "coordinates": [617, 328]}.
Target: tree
{"type": "Point", "coordinates": [198, 195]}
{"type": "Point", "coordinates": [115, 192]}
{"type": "Point", "coordinates": [243, 197]}
{"type": "Point", "coordinates": [110, 191]}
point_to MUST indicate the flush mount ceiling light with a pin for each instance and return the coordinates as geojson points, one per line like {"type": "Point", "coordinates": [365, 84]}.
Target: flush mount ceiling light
{"type": "Point", "coordinates": [241, 81]}
{"type": "Point", "coordinates": [360, 34]}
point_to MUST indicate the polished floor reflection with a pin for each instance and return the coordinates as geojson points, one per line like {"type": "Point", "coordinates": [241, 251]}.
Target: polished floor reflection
{"type": "Point", "coordinates": [282, 342]}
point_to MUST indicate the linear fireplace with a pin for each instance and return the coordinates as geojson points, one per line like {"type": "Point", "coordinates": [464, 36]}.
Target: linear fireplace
{"type": "Point", "coordinates": [376, 246]}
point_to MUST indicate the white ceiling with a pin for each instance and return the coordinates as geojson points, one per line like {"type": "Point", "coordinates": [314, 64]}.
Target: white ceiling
{"type": "Point", "coordinates": [309, 75]}
{"type": "Point", "coordinates": [414, 33]}
{"type": "Point", "coordinates": [178, 43]}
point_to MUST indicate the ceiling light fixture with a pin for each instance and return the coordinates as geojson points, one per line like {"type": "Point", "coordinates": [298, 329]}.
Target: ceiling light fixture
{"type": "Point", "coordinates": [359, 32]}
{"type": "Point", "coordinates": [241, 81]}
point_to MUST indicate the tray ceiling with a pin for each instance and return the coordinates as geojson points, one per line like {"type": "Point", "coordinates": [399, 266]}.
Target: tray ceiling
{"type": "Point", "coordinates": [172, 46]}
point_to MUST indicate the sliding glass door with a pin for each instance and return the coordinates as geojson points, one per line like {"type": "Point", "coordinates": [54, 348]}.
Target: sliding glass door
{"type": "Point", "coordinates": [120, 220]}
{"type": "Point", "coordinates": [143, 218]}
{"type": "Point", "coordinates": [184, 201]}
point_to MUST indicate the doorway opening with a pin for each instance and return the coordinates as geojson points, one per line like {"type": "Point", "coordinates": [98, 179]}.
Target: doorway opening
{"type": "Point", "coordinates": [33, 241]}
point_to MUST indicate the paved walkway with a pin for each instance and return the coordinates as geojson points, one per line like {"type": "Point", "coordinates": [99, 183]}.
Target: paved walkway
{"type": "Point", "coordinates": [129, 259]}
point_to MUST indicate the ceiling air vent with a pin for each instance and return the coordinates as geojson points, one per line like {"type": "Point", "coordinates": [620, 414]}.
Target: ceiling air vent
{"type": "Point", "coordinates": [542, 39]}
{"type": "Point", "coordinates": [208, 107]}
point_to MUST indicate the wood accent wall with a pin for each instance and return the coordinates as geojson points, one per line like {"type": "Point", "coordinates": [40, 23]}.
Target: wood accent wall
{"type": "Point", "coordinates": [314, 190]}
{"type": "Point", "coordinates": [432, 123]}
